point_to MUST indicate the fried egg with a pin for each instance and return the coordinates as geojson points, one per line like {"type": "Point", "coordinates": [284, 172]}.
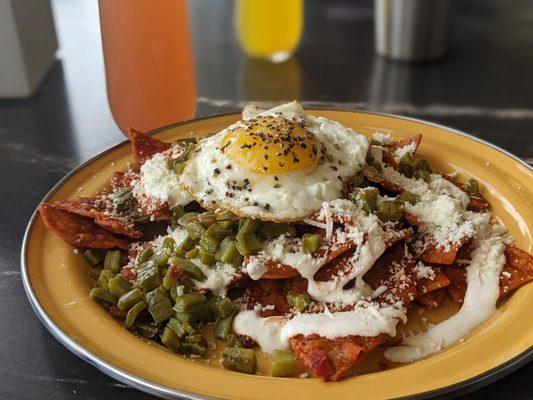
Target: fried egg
{"type": "Point", "coordinates": [278, 165]}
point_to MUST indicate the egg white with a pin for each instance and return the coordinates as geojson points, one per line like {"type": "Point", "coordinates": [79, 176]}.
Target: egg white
{"type": "Point", "coordinates": [216, 181]}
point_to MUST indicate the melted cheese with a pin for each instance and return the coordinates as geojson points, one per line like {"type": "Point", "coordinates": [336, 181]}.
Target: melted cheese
{"type": "Point", "coordinates": [479, 305]}
{"type": "Point", "coordinates": [271, 333]}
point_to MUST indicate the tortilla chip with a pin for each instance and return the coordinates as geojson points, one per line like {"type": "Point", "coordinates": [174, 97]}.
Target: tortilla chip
{"type": "Point", "coordinates": [123, 180]}
{"type": "Point", "coordinates": [426, 285]}
{"type": "Point", "coordinates": [438, 255]}
{"type": "Point", "coordinates": [478, 203]}
{"type": "Point", "coordinates": [374, 176]}
{"type": "Point", "coordinates": [388, 158]}
{"type": "Point", "coordinates": [144, 146]}
{"type": "Point", "coordinates": [275, 270]}
{"type": "Point", "coordinates": [100, 209]}
{"type": "Point", "coordinates": [78, 231]}
{"type": "Point", "coordinates": [395, 271]}
{"type": "Point", "coordinates": [337, 265]}
{"type": "Point", "coordinates": [333, 359]}
{"type": "Point", "coordinates": [457, 287]}
{"type": "Point", "coordinates": [518, 270]}
{"type": "Point", "coordinates": [410, 218]}
{"type": "Point", "coordinates": [433, 298]}
{"type": "Point", "coordinates": [416, 139]}
{"type": "Point", "coordinates": [273, 293]}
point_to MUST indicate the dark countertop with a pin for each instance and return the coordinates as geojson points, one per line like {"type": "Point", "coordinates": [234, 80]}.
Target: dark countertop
{"type": "Point", "coordinates": [484, 87]}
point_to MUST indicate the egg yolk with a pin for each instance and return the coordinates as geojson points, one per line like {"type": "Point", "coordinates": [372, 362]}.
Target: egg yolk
{"type": "Point", "coordinates": [272, 145]}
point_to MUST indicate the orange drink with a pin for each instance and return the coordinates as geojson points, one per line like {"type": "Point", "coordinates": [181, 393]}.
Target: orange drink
{"type": "Point", "coordinates": [148, 61]}
{"type": "Point", "coordinates": [269, 28]}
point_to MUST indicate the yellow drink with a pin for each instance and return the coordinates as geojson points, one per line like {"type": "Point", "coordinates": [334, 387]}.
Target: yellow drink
{"type": "Point", "coordinates": [269, 28]}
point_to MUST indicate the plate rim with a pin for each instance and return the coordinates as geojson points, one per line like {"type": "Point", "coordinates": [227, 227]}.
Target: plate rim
{"type": "Point", "coordinates": [142, 384]}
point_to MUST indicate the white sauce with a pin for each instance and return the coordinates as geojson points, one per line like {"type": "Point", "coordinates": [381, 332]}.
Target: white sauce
{"type": "Point", "coordinates": [271, 333]}
{"type": "Point", "coordinates": [479, 305]}
{"type": "Point", "coordinates": [365, 232]}
{"type": "Point", "coordinates": [160, 183]}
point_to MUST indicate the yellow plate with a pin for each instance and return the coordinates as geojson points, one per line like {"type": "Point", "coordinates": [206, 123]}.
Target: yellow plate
{"type": "Point", "coordinates": [57, 283]}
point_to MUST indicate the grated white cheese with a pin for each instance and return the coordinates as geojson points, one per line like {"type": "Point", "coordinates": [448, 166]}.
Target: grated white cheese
{"type": "Point", "coordinates": [159, 182]}
{"type": "Point", "coordinates": [402, 151]}
{"type": "Point", "coordinates": [424, 272]}
{"type": "Point", "coordinates": [383, 138]}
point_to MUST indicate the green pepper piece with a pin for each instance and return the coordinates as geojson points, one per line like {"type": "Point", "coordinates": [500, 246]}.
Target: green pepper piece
{"type": "Point", "coordinates": [225, 215]}
{"type": "Point", "coordinates": [186, 244]}
{"type": "Point", "coordinates": [248, 225]}
{"type": "Point", "coordinates": [145, 255]}
{"type": "Point", "coordinates": [282, 363]}
{"type": "Point", "coordinates": [207, 218]}
{"type": "Point", "coordinates": [133, 313]}
{"type": "Point", "coordinates": [148, 277]}
{"type": "Point", "coordinates": [102, 296]}
{"type": "Point", "coordinates": [239, 359]}
{"type": "Point", "coordinates": [210, 310]}
{"type": "Point", "coordinates": [209, 242]}
{"type": "Point", "coordinates": [177, 212]}
{"type": "Point", "coordinates": [159, 305]}
{"type": "Point", "coordinates": [311, 242]}
{"type": "Point", "coordinates": [192, 254]}
{"type": "Point", "coordinates": [390, 210]}
{"type": "Point", "coordinates": [169, 243]}
{"type": "Point", "coordinates": [105, 276]}
{"type": "Point", "coordinates": [140, 218]}
{"type": "Point", "coordinates": [93, 257]}
{"type": "Point", "coordinates": [171, 340]}
{"type": "Point", "coordinates": [170, 278]}
{"type": "Point", "coordinates": [370, 160]}
{"type": "Point", "coordinates": [177, 327]}
{"type": "Point", "coordinates": [179, 167]}
{"type": "Point", "coordinates": [189, 268]}
{"type": "Point", "coordinates": [146, 330]}
{"type": "Point", "coordinates": [224, 326]}
{"type": "Point", "coordinates": [160, 260]}
{"type": "Point", "coordinates": [270, 230]}
{"type": "Point", "coordinates": [224, 307]}
{"type": "Point", "coordinates": [471, 187]}
{"type": "Point", "coordinates": [300, 301]}
{"type": "Point", "coordinates": [129, 299]}
{"type": "Point", "coordinates": [196, 349]}
{"type": "Point", "coordinates": [207, 257]}
{"type": "Point", "coordinates": [196, 338]}
{"type": "Point", "coordinates": [220, 229]}
{"type": "Point", "coordinates": [369, 198]}
{"type": "Point", "coordinates": [191, 330]}
{"type": "Point", "coordinates": [227, 251]}
{"type": "Point", "coordinates": [407, 165]}
{"type": "Point", "coordinates": [424, 175]}
{"type": "Point", "coordinates": [118, 285]}
{"type": "Point", "coordinates": [195, 230]}
{"type": "Point", "coordinates": [233, 340]}
{"type": "Point", "coordinates": [422, 164]}
{"type": "Point", "coordinates": [247, 243]}
{"type": "Point", "coordinates": [190, 302]}
{"type": "Point", "coordinates": [408, 197]}
{"type": "Point", "coordinates": [187, 218]}
{"type": "Point", "coordinates": [112, 260]}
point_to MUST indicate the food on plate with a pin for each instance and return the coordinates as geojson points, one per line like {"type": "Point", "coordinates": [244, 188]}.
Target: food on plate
{"type": "Point", "coordinates": [292, 235]}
